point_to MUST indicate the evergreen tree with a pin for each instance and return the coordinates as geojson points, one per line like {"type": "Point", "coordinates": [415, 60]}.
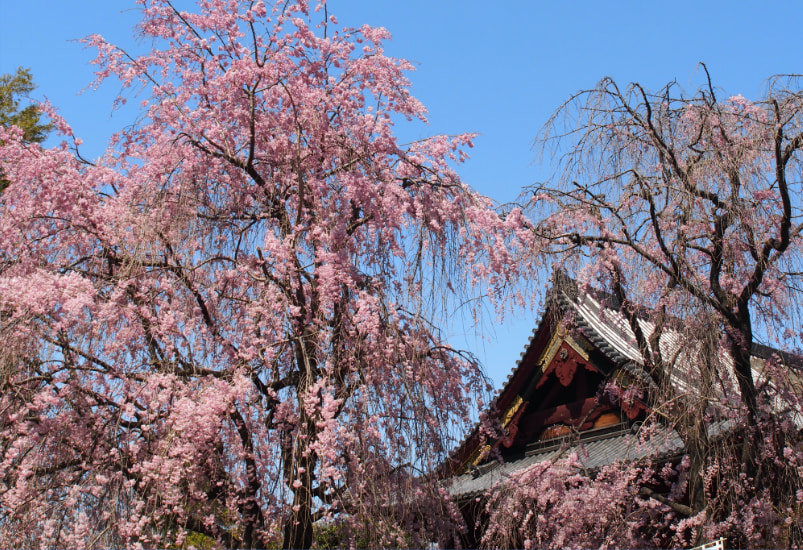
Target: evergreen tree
{"type": "Point", "coordinates": [14, 88]}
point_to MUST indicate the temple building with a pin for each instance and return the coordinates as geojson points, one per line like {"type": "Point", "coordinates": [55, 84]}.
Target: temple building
{"type": "Point", "coordinates": [558, 399]}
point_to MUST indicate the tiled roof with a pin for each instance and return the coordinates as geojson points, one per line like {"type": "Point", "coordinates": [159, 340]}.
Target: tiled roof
{"type": "Point", "coordinates": [595, 449]}
{"type": "Point", "coordinates": [604, 326]}
{"type": "Point", "coordinates": [595, 315]}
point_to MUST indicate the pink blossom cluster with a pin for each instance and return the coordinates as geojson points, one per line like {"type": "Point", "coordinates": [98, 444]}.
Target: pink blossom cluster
{"type": "Point", "coordinates": [223, 327]}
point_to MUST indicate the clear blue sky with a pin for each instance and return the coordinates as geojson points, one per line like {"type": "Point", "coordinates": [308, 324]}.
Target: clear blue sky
{"type": "Point", "coordinates": [498, 68]}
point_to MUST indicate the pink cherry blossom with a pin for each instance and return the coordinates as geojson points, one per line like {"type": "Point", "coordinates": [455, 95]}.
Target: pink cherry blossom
{"type": "Point", "coordinates": [225, 326]}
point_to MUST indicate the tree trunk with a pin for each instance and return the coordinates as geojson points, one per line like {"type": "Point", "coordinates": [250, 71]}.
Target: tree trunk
{"type": "Point", "coordinates": [697, 448]}
{"type": "Point", "coordinates": [740, 351]}
{"type": "Point", "coordinates": [299, 470]}
{"type": "Point", "coordinates": [298, 525]}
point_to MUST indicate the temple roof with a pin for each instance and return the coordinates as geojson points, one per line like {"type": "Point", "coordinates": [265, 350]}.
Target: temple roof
{"type": "Point", "coordinates": [607, 341]}
{"type": "Point", "coordinates": [594, 449]}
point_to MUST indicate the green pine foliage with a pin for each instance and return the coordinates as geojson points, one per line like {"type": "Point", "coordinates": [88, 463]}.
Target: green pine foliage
{"type": "Point", "coordinates": [14, 88]}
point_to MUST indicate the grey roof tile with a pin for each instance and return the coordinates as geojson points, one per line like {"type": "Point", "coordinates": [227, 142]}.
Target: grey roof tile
{"type": "Point", "coordinates": [594, 450]}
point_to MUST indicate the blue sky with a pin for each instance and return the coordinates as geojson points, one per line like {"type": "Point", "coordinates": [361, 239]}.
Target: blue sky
{"type": "Point", "coordinates": [497, 68]}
